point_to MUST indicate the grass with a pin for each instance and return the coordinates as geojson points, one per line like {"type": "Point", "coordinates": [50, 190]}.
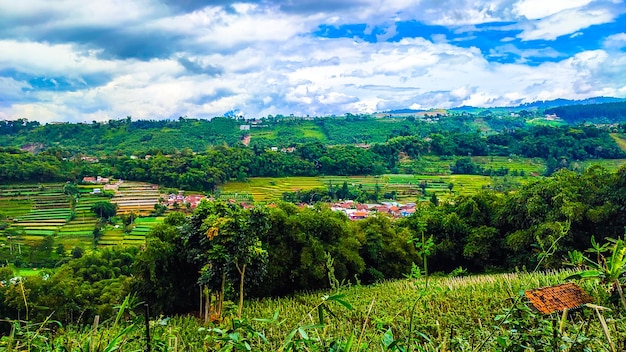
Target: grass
{"type": "Point", "coordinates": [451, 314]}
{"type": "Point", "coordinates": [459, 308]}
{"type": "Point", "coordinates": [609, 164]}
{"type": "Point", "coordinates": [25, 272]}
{"type": "Point", "coordinates": [619, 139]}
{"type": "Point", "coordinates": [313, 131]}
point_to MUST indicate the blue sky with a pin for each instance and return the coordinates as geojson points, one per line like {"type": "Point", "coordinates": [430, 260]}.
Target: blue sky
{"type": "Point", "coordinates": [63, 60]}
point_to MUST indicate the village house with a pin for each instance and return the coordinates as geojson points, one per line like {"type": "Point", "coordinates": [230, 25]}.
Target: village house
{"type": "Point", "coordinates": [358, 211]}
{"type": "Point", "coordinates": [96, 180]}
{"type": "Point", "coordinates": [193, 199]}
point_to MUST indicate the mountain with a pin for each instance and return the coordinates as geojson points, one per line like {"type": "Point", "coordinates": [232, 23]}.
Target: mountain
{"type": "Point", "coordinates": [541, 105]}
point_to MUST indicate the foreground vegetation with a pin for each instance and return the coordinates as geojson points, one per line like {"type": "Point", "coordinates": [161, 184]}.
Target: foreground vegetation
{"type": "Point", "coordinates": [476, 313]}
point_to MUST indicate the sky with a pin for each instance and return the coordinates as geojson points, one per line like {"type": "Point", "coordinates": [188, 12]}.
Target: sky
{"type": "Point", "coordinates": [76, 60]}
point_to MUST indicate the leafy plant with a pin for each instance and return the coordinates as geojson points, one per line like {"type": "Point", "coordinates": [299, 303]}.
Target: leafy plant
{"type": "Point", "coordinates": [608, 269]}
{"type": "Point", "coordinates": [300, 339]}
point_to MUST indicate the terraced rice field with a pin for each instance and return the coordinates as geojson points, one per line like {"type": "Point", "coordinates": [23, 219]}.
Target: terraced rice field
{"type": "Point", "coordinates": [266, 189]}
{"type": "Point", "coordinates": [609, 164]}
{"type": "Point", "coordinates": [114, 236]}
{"type": "Point", "coordinates": [528, 165]}
{"type": "Point", "coordinates": [141, 227]}
{"type": "Point", "coordinates": [407, 187]}
{"type": "Point", "coordinates": [35, 211]}
{"type": "Point", "coordinates": [137, 197]}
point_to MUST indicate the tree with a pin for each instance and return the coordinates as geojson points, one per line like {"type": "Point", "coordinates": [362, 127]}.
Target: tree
{"type": "Point", "coordinates": [433, 199]}
{"type": "Point", "coordinates": [104, 209]}
{"type": "Point", "coordinates": [46, 245]}
{"type": "Point", "coordinates": [71, 189]}
{"type": "Point", "coordinates": [165, 277]}
{"type": "Point", "coordinates": [60, 250]}
{"type": "Point", "coordinates": [248, 246]}
{"type": "Point", "coordinates": [234, 238]}
{"type": "Point", "coordinates": [77, 252]}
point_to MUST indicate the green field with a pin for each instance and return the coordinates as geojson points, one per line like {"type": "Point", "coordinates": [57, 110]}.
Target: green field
{"type": "Point", "coordinates": [264, 189]}
{"type": "Point", "coordinates": [34, 211]}
{"type": "Point", "coordinates": [451, 310]}
{"type": "Point", "coordinates": [620, 140]}
{"type": "Point", "coordinates": [435, 172]}
{"type": "Point", "coordinates": [303, 129]}
{"type": "Point", "coordinates": [609, 164]}
{"type": "Point", "coordinates": [527, 165]}
{"type": "Point", "coordinates": [268, 189]}
{"type": "Point", "coordinates": [474, 313]}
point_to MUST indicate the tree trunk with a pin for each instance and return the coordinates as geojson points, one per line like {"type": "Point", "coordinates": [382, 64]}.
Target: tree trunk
{"type": "Point", "coordinates": [207, 305]}
{"type": "Point", "coordinates": [221, 300]}
{"type": "Point", "coordinates": [242, 273]}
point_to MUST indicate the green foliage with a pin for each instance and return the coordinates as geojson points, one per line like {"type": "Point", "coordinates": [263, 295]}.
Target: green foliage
{"type": "Point", "coordinates": [601, 113]}
{"type": "Point", "coordinates": [71, 189]}
{"type": "Point", "coordinates": [164, 278]}
{"type": "Point", "coordinates": [216, 156]}
{"type": "Point", "coordinates": [77, 252]}
{"type": "Point", "coordinates": [104, 209]}
{"type": "Point", "coordinates": [608, 269]}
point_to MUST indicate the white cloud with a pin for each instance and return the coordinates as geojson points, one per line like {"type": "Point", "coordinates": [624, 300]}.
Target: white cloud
{"type": "Point", "coordinates": [615, 41]}
{"type": "Point", "coordinates": [536, 9]}
{"type": "Point", "coordinates": [254, 58]}
{"type": "Point", "coordinates": [565, 22]}
{"type": "Point", "coordinates": [11, 88]}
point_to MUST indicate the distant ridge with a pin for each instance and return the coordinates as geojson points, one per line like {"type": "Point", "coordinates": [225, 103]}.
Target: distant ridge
{"type": "Point", "coordinates": [404, 111]}
{"type": "Point", "coordinates": [535, 105]}
{"type": "Point", "coordinates": [566, 102]}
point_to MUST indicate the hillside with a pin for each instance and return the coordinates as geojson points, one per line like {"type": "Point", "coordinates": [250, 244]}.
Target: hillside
{"type": "Point", "coordinates": [594, 113]}
{"type": "Point", "coordinates": [128, 136]}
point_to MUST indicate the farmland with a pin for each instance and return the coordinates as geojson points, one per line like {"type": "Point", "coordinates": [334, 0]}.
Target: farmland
{"type": "Point", "coordinates": [435, 173]}
{"type": "Point", "coordinates": [477, 313]}
{"type": "Point", "coordinates": [458, 312]}
{"type": "Point", "coordinates": [137, 197]}
{"type": "Point", "coordinates": [36, 211]}
{"type": "Point", "coordinates": [44, 210]}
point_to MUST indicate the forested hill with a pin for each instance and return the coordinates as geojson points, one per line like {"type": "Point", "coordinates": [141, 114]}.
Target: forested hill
{"type": "Point", "coordinates": [559, 146]}
{"type": "Point", "coordinates": [124, 136]}
{"type": "Point", "coordinates": [598, 113]}
{"type": "Point", "coordinates": [131, 137]}
{"type": "Point", "coordinates": [127, 136]}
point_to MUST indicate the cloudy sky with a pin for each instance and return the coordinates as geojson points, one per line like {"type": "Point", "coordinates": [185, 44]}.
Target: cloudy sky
{"type": "Point", "coordinates": [63, 60]}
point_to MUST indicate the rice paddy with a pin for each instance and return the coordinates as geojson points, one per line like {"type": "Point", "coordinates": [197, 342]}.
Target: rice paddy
{"type": "Point", "coordinates": [34, 211]}
{"type": "Point", "coordinates": [407, 187]}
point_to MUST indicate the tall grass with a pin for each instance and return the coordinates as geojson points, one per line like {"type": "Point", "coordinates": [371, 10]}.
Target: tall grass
{"type": "Point", "coordinates": [475, 313]}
